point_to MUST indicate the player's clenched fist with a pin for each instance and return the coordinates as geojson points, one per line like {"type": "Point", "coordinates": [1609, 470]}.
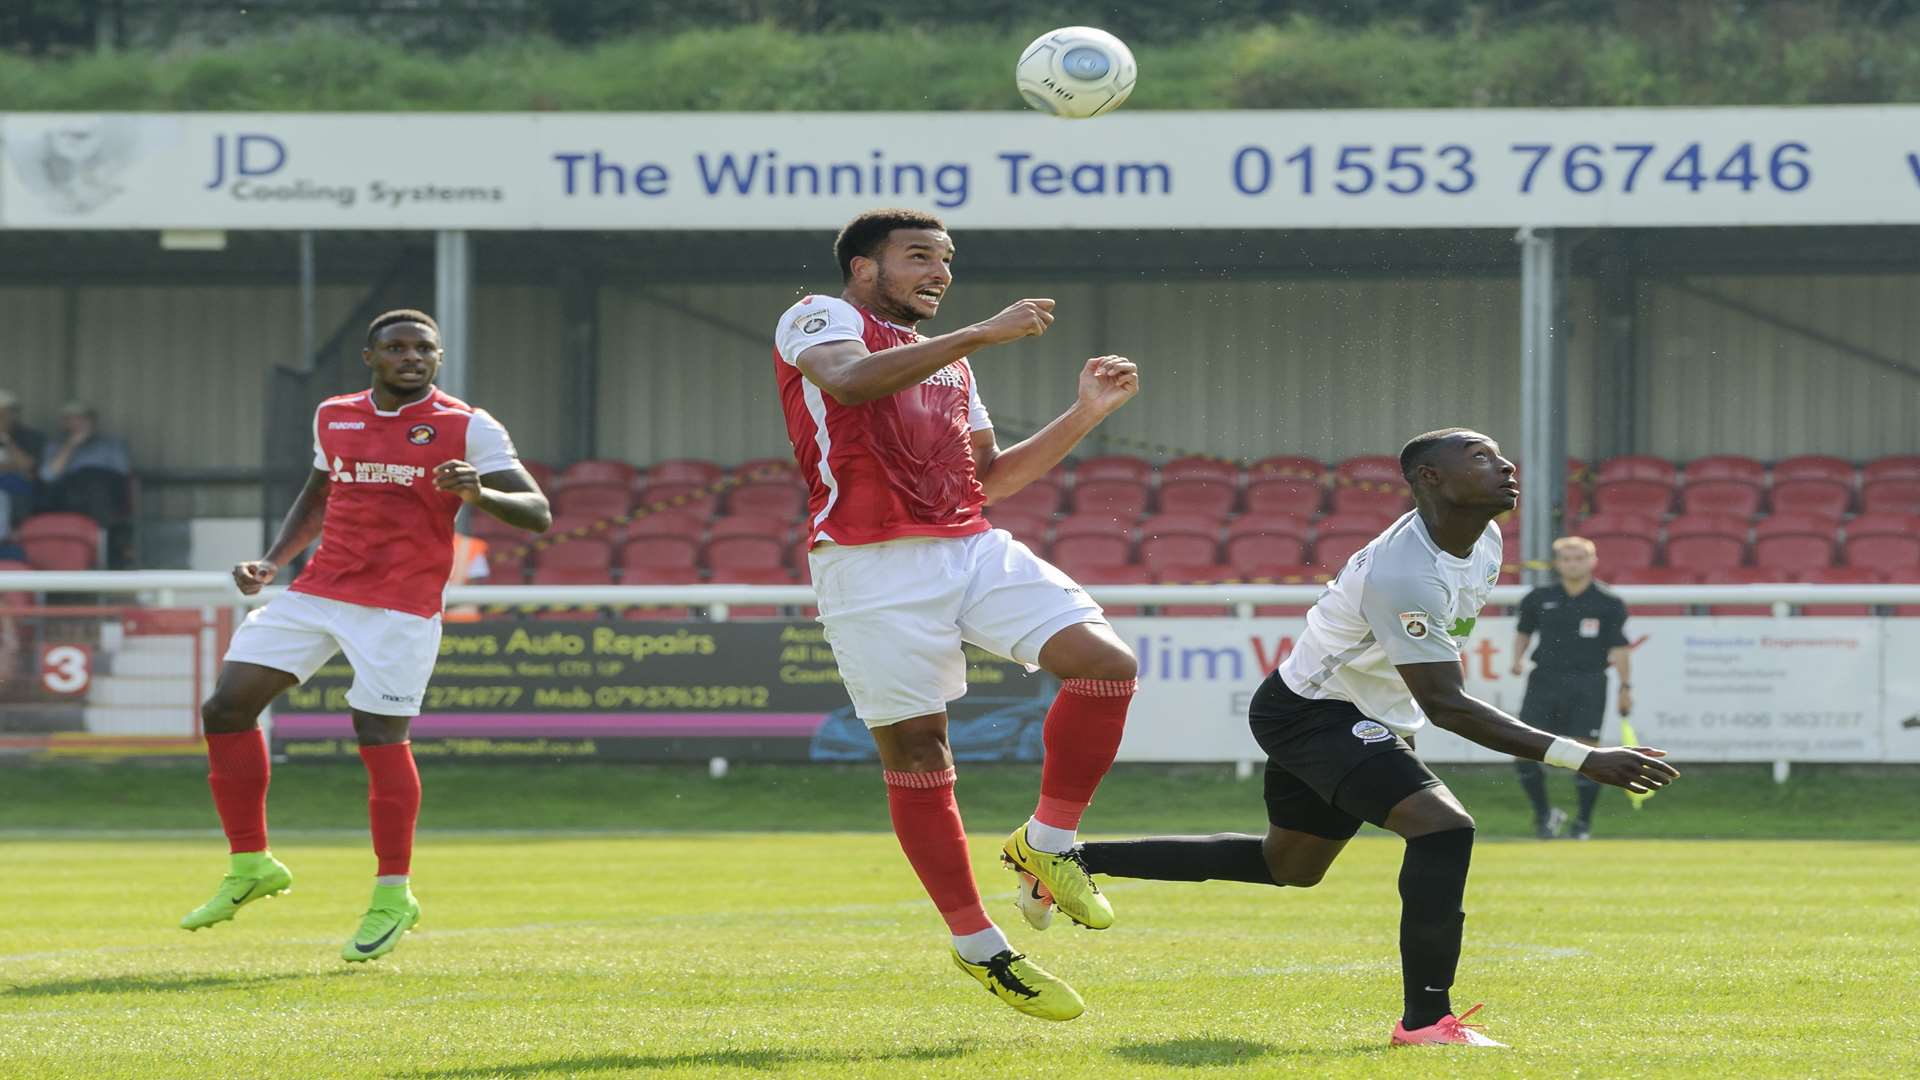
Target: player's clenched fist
{"type": "Point", "coordinates": [251, 577]}
{"type": "Point", "coordinates": [1108, 382]}
{"type": "Point", "coordinates": [1027, 318]}
{"type": "Point", "coordinates": [1636, 768]}
{"type": "Point", "coordinates": [458, 477]}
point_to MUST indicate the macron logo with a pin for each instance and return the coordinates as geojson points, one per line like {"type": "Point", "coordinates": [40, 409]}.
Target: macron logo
{"type": "Point", "coordinates": [346, 425]}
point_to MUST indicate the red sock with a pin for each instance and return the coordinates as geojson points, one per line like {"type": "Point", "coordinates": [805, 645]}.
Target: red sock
{"type": "Point", "coordinates": [1082, 734]}
{"type": "Point", "coordinates": [927, 821]}
{"type": "Point", "coordinates": [393, 803]}
{"type": "Point", "coordinates": [238, 772]}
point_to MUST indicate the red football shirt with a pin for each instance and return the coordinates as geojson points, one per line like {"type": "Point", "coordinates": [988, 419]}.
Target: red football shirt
{"type": "Point", "coordinates": [895, 467]}
{"type": "Point", "coordinates": [387, 540]}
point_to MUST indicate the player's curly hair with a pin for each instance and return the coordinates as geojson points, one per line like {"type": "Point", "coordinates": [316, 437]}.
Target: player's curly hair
{"type": "Point", "coordinates": [867, 233]}
{"type": "Point", "coordinates": [400, 315]}
{"type": "Point", "coordinates": [1414, 454]}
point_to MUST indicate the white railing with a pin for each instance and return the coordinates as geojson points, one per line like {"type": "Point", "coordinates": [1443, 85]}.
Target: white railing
{"type": "Point", "coordinates": [167, 587]}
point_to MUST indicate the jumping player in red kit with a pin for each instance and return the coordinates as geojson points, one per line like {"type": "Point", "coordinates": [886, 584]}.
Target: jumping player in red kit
{"type": "Point", "coordinates": [392, 466]}
{"type": "Point", "coordinates": [900, 460]}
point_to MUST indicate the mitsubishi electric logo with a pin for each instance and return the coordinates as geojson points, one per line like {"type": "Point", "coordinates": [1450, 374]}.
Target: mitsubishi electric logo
{"type": "Point", "coordinates": [375, 472]}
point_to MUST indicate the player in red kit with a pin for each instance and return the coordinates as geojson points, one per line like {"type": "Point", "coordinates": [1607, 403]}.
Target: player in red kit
{"type": "Point", "coordinates": [392, 467]}
{"type": "Point", "coordinates": [900, 461]}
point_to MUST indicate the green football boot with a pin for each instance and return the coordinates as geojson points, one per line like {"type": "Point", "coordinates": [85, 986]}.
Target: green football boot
{"type": "Point", "coordinates": [1024, 985]}
{"type": "Point", "coordinates": [254, 875]}
{"type": "Point", "coordinates": [390, 915]}
{"type": "Point", "coordinates": [1065, 878]}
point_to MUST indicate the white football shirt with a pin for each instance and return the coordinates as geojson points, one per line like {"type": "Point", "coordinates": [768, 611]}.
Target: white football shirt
{"type": "Point", "coordinates": [1399, 600]}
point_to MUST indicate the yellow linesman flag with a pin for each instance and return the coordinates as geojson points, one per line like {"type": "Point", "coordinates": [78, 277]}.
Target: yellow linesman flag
{"type": "Point", "coordinates": [1628, 737]}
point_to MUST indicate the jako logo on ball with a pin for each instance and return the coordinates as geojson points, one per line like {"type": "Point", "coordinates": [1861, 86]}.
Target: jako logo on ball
{"type": "Point", "coordinates": [1075, 72]}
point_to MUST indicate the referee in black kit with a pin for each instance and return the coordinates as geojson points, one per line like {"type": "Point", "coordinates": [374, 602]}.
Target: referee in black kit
{"type": "Point", "coordinates": [1582, 628]}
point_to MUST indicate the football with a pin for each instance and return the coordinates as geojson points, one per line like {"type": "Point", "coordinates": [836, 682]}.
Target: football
{"type": "Point", "coordinates": [1075, 72]}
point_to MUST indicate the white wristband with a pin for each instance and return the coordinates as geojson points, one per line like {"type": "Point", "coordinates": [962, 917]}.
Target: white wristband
{"type": "Point", "coordinates": [1565, 753]}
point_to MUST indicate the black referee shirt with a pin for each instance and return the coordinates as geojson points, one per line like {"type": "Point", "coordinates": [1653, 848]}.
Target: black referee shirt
{"type": "Point", "coordinates": [1575, 632]}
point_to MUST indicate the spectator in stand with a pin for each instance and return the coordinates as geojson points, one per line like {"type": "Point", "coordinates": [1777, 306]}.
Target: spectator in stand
{"type": "Point", "coordinates": [20, 449]}
{"type": "Point", "coordinates": [91, 473]}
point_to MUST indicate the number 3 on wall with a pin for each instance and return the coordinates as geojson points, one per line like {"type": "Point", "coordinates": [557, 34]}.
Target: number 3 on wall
{"type": "Point", "coordinates": [66, 669]}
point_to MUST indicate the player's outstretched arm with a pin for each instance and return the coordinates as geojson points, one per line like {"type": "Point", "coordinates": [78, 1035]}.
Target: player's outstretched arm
{"type": "Point", "coordinates": [1442, 694]}
{"type": "Point", "coordinates": [299, 529]}
{"type": "Point", "coordinates": [1106, 383]}
{"type": "Point", "coordinates": [846, 372]}
{"type": "Point", "coordinates": [510, 494]}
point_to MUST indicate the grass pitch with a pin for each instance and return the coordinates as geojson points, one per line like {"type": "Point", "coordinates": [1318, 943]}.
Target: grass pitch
{"type": "Point", "coordinates": [815, 954]}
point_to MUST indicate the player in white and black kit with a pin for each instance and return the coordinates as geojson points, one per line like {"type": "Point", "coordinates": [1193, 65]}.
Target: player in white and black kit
{"type": "Point", "coordinates": [1380, 656]}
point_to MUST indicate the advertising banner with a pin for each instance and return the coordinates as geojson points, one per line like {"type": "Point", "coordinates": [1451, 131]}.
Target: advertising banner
{"type": "Point", "coordinates": [1452, 168]}
{"type": "Point", "coordinates": [1708, 689]}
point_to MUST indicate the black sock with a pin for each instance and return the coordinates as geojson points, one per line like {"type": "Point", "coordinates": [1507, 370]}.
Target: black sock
{"type": "Point", "coordinates": [1220, 857]}
{"type": "Point", "coordinates": [1433, 881]}
{"type": "Point", "coordinates": [1533, 781]}
{"type": "Point", "coordinates": [1589, 794]}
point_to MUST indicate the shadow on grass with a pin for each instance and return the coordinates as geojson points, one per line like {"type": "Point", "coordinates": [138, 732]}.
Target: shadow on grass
{"type": "Point", "coordinates": [765, 1059]}
{"type": "Point", "coordinates": [153, 984]}
{"type": "Point", "coordinates": [1197, 1053]}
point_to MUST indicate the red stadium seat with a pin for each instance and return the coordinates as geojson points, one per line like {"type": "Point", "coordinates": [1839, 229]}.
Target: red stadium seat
{"type": "Point", "coordinates": [1639, 467]}
{"type": "Point", "coordinates": [1029, 529]}
{"type": "Point", "coordinates": [1197, 495]}
{"type": "Point", "coordinates": [1113, 467]}
{"type": "Point", "coordinates": [1701, 542]}
{"type": "Point", "coordinates": [1332, 550]}
{"type": "Point", "coordinates": [1792, 543]}
{"type": "Point", "coordinates": [541, 472]}
{"type": "Point", "coordinates": [1090, 573]}
{"type": "Point", "coordinates": [1117, 499]}
{"type": "Point", "coordinates": [1289, 466]}
{"type": "Point", "coordinates": [1282, 494]}
{"type": "Point", "coordinates": [763, 470]}
{"type": "Point", "coordinates": [1886, 543]}
{"type": "Point", "coordinates": [582, 556]}
{"type": "Point", "coordinates": [1893, 495]}
{"type": "Point", "coordinates": [1632, 496]}
{"type": "Point", "coordinates": [1814, 467]}
{"type": "Point", "coordinates": [494, 531]}
{"type": "Point", "coordinates": [1655, 575]}
{"type": "Point", "coordinates": [1898, 467]}
{"type": "Point", "coordinates": [1377, 468]}
{"type": "Point", "coordinates": [1369, 498]}
{"type": "Point", "coordinates": [641, 575]}
{"type": "Point", "coordinates": [1839, 575]}
{"type": "Point", "coordinates": [744, 541]}
{"type": "Point", "coordinates": [1742, 575]}
{"type": "Point", "coordinates": [1042, 497]}
{"type": "Point", "coordinates": [1625, 541]}
{"type": "Point", "coordinates": [1200, 468]}
{"type": "Point", "coordinates": [595, 500]}
{"type": "Point", "coordinates": [684, 471]}
{"type": "Point", "coordinates": [597, 471]}
{"type": "Point", "coordinates": [1725, 467]}
{"type": "Point", "coordinates": [1721, 497]}
{"type": "Point", "coordinates": [1267, 539]}
{"type": "Point", "coordinates": [1371, 523]}
{"type": "Point", "coordinates": [1090, 539]}
{"type": "Point", "coordinates": [1828, 498]}
{"type": "Point", "coordinates": [60, 541]}
{"type": "Point", "coordinates": [754, 575]}
{"type": "Point", "coordinates": [669, 523]}
{"type": "Point", "coordinates": [1172, 539]}
{"type": "Point", "coordinates": [1283, 574]}
{"type": "Point", "coordinates": [660, 553]}
{"type": "Point", "coordinates": [697, 498]}
{"type": "Point", "coordinates": [570, 575]}
{"type": "Point", "coordinates": [783, 499]}
{"type": "Point", "coordinates": [1195, 574]}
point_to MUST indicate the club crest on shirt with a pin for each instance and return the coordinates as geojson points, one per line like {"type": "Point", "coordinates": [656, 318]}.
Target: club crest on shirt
{"type": "Point", "coordinates": [814, 323]}
{"type": "Point", "coordinates": [420, 434]}
{"type": "Point", "coordinates": [1493, 577]}
{"type": "Point", "coordinates": [1371, 731]}
{"type": "Point", "coordinates": [1417, 624]}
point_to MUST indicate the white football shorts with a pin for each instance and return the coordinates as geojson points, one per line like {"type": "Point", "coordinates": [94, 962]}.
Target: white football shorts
{"type": "Point", "coordinates": [896, 614]}
{"type": "Point", "coordinates": [392, 652]}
